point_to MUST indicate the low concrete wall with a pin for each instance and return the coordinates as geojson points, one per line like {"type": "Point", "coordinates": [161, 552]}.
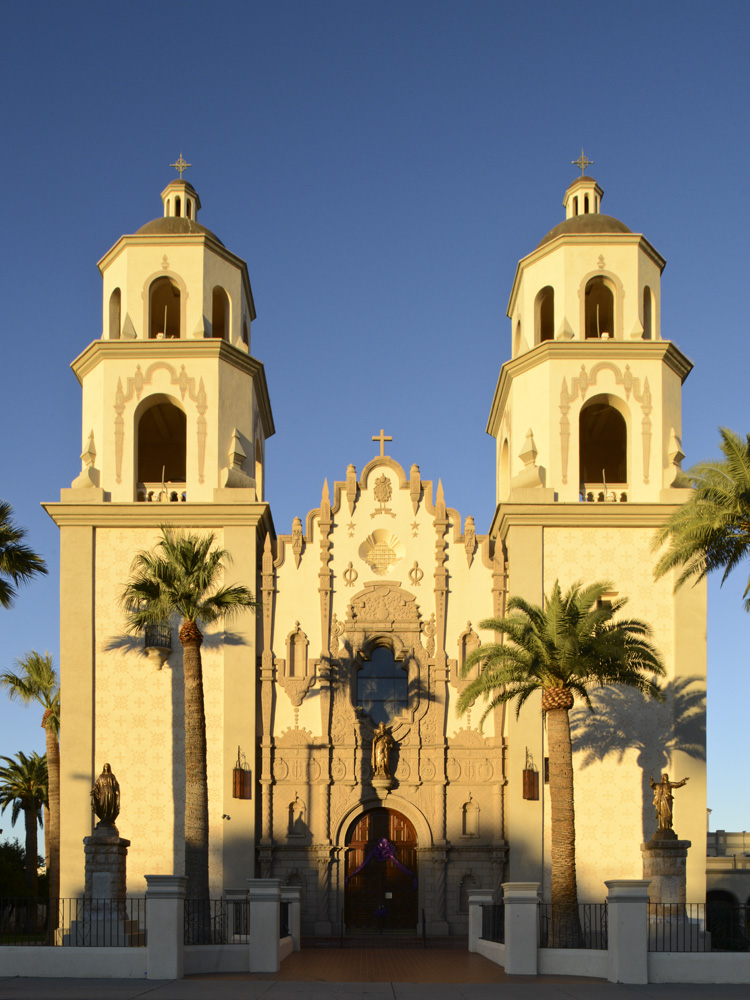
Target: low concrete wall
{"type": "Point", "coordinates": [216, 958]}
{"type": "Point", "coordinates": [699, 967]}
{"type": "Point", "coordinates": [88, 963]}
{"type": "Point", "coordinates": [572, 962]}
{"type": "Point", "coordinates": [492, 950]}
{"type": "Point", "coordinates": [286, 947]}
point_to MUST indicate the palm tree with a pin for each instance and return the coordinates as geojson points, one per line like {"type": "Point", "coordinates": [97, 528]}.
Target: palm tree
{"type": "Point", "coordinates": [23, 786]}
{"type": "Point", "coordinates": [18, 563]}
{"type": "Point", "coordinates": [712, 529]}
{"type": "Point", "coordinates": [180, 577]}
{"type": "Point", "coordinates": [36, 680]}
{"type": "Point", "coordinates": [569, 645]}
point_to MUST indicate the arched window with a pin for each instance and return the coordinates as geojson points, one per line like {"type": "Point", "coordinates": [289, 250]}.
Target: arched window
{"type": "Point", "coordinates": [504, 471]}
{"type": "Point", "coordinates": [258, 471]}
{"type": "Point", "coordinates": [545, 314]}
{"type": "Point", "coordinates": [245, 338]}
{"type": "Point", "coordinates": [114, 315]}
{"type": "Point", "coordinates": [220, 314]}
{"type": "Point", "coordinates": [586, 205]}
{"type": "Point", "coordinates": [161, 436]}
{"type": "Point", "coordinates": [575, 205]}
{"type": "Point", "coordinates": [164, 301]}
{"type": "Point", "coordinates": [189, 207]}
{"type": "Point", "coordinates": [517, 340]}
{"type": "Point", "coordinates": [647, 314]}
{"type": "Point", "coordinates": [382, 686]}
{"type": "Point", "coordinates": [297, 654]}
{"type": "Point", "coordinates": [603, 437]}
{"type": "Point", "coordinates": [599, 309]}
{"type": "Point", "coordinates": [177, 206]}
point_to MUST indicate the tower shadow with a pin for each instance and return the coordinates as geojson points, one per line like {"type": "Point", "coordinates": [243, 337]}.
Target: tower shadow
{"type": "Point", "coordinates": [625, 719]}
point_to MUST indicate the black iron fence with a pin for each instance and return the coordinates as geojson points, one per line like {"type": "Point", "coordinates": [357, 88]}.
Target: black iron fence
{"type": "Point", "coordinates": [581, 926]}
{"type": "Point", "coordinates": [715, 926]}
{"type": "Point", "coordinates": [79, 923]}
{"type": "Point", "coordinates": [493, 922]}
{"type": "Point", "coordinates": [216, 921]}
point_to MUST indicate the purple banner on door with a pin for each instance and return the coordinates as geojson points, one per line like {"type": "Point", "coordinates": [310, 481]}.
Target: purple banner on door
{"type": "Point", "coordinates": [383, 851]}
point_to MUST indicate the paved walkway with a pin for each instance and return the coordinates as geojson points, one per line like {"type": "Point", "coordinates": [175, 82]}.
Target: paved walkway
{"type": "Point", "coordinates": [363, 974]}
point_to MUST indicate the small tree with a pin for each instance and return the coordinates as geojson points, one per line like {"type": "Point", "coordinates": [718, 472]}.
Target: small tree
{"type": "Point", "coordinates": [565, 647]}
{"type": "Point", "coordinates": [180, 577]}
{"type": "Point", "coordinates": [23, 786]}
{"type": "Point", "coordinates": [18, 563]}
{"type": "Point", "coordinates": [36, 680]}
{"type": "Point", "coordinates": [711, 530]}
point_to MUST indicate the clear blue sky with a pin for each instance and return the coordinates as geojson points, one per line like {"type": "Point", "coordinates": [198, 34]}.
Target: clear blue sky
{"type": "Point", "coordinates": [381, 166]}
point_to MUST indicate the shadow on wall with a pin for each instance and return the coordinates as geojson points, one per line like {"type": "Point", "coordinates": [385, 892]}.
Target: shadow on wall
{"type": "Point", "coordinates": [625, 719]}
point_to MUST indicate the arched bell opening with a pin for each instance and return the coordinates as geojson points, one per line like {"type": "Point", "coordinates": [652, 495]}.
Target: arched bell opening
{"type": "Point", "coordinates": [161, 450]}
{"type": "Point", "coordinates": [382, 685]}
{"type": "Point", "coordinates": [648, 314]}
{"type": "Point", "coordinates": [381, 881]}
{"type": "Point", "coordinates": [504, 484]}
{"type": "Point", "coordinates": [544, 309]}
{"type": "Point", "coordinates": [258, 471]}
{"type": "Point", "coordinates": [220, 314]}
{"type": "Point", "coordinates": [603, 449]}
{"type": "Point", "coordinates": [164, 309]}
{"type": "Point", "coordinates": [115, 306]}
{"type": "Point", "coordinates": [517, 340]}
{"type": "Point", "coordinates": [599, 312]}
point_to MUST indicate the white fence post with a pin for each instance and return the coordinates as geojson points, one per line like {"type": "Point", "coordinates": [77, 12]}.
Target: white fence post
{"type": "Point", "coordinates": [521, 927]}
{"type": "Point", "coordinates": [477, 899]}
{"type": "Point", "coordinates": [165, 934]}
{"type": "Point", "coordinates": [264, 897]}
{"type": "Point", "coordinates": [292, 894]}
{"type": "Point", "coordinates": [627, 927]}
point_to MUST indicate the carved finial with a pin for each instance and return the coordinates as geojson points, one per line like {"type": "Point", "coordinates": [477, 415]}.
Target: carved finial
{"type": "Point", "coordinates": [351, 487]}
{"type": "Point", "coordinates": [180, 165]}
{"type": "Point", "coordinates": [325, 499]}
{"type": "Point", "coordinates": [236, 452]}
{"type": "Point", "coordinates": [440, 500]}
{"type": "Point", "coordinates": [470, 539]}
{"type": "Point", "coordinates": [529, 453]}
{"type": "Point", "coordinates": [415, 486]}
{"type": "Point", "coordinates": [88, 455]}
{"type": "Point", "coordinates": [582, 162]}
{"type": "Point", "coordinates": [297, 540]}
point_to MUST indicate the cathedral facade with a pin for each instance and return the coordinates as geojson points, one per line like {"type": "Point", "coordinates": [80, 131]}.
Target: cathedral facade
{"type": "Point", "coordinates": [336, 758]}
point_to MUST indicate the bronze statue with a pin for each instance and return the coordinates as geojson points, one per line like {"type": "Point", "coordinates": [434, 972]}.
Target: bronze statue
{"type": "Point", "coordinates": [382, 744]}
{"type": "Point", "coordinates": [663, 800]}
{"type": "Point", "coordinates": [105, 796]}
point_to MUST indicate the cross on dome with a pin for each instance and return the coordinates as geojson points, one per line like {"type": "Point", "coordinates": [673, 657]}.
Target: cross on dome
{"type": "Point", "coordinates": [180, 165]}
{"type": "Point", "coordinates": [582, 162]}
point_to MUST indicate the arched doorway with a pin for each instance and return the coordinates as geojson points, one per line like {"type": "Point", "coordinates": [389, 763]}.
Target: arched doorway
{"type": "Point", "coordinates": [381, 872]}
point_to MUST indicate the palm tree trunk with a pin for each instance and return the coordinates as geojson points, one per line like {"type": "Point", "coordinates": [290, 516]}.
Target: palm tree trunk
{"type": "Point", "coordinates": [562, 813]}
{"type": "Point", "coordinates": [52, 838]}
{"type": "Point", "coordinates": [30, 816]}
{"type": "Point", "coordinates": [196, 777]}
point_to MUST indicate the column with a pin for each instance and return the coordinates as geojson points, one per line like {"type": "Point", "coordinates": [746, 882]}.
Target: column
{"type": "Point", "coordinates": [627, 906]}
{"type": "Point", "coordinates": [521, 927]}
{"type": "Point", "coordinates": [165, 913]}
{"type": "Point", "coordinates": [477, 899]}
{"type": "Point", "coordinates": [264, 897]}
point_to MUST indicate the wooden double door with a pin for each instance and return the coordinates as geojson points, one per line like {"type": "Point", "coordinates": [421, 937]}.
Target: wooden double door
{"type": "Point", "coordinates": [383, 894]}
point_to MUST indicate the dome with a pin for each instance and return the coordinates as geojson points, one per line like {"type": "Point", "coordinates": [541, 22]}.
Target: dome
{"type": "Point", "coordinates": [585, 225]}
{"type": "Point", "coordinates": [170, 225]}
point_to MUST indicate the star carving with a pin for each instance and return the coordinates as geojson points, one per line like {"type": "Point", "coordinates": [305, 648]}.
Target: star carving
{"type": "Point", "coordinates": [350, 528]}
{"type": "Point", "coordinates": [415, 528]}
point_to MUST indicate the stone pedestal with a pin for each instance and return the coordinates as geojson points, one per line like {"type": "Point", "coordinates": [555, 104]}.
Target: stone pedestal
{"type": "Point", "coordinates": [101, 917]}
{"type": "Point", "coordinates": [664, 865]}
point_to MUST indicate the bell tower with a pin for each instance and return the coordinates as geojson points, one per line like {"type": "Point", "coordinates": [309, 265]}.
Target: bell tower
{"type": "Point", "coordinates": [175, 419]}
{"type": "Point", "coordinates": [587, 421]}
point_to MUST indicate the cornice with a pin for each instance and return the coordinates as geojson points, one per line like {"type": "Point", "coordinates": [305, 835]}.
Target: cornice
{"type": "Point", "coordinates": [577, 239]}
{"type": "Point", "coordinates": [146, 515]}
{"type": "Point", "coordinates": [590, 351]}
{"type": "Point", "coordinates": [579, 515]}
{"type": "Point", "coordinates": [147, 351]}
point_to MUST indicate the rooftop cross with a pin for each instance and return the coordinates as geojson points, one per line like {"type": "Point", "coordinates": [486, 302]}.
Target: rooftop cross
{"type": "Point", "coordinates": [382, 438]}
{"type": "Point", "coordinates": [582, 162]}
{"type": "Point", "coordinates": [180, 165]}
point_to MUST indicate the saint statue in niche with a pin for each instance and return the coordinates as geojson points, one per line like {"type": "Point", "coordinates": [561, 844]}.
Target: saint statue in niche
{"type": "Point", "coordinates": [382, 743]}
{"type": "Point", "coordinates": [105, 796]}
{"type": "Point", "coordinates": [663, 801]}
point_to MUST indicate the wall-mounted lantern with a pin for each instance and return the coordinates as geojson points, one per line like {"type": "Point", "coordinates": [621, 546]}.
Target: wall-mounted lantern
{"type": "Point", "coordinates": [530, 778]}
{"type": "Point", "coordinates": [241, 778]}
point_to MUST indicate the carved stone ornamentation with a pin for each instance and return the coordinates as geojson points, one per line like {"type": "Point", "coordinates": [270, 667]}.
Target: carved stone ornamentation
{"type": "Point", "coordinates": [296, 673]}
{"type": "Point", "coordinates": [470, 540]}
{"type": "Point", "coordinates": [383, 491]}
{"type": "Point", "coordinates": [351, 487]}
{"type": "Point", "coordinates": [382, 607]}
{"type": "Point", "coordinates": [350, 575]}
{"type": "Point", "coordinates": [416, 575]}
{"type": "Point", "coordinates": [297, 540]}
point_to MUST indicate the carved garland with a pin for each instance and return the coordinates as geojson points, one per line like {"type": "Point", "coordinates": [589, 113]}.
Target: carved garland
{"type": "Point", "coordinates": [581, 382]}
{"type": "Point", "coordinates": [135, 385]}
